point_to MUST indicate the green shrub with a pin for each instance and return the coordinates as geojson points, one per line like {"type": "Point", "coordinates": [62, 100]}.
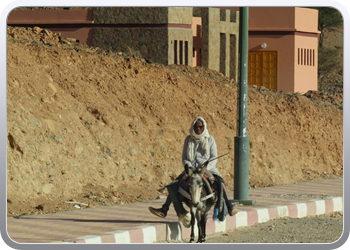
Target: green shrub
{"type": "Point", "coordinates": [330, 60]}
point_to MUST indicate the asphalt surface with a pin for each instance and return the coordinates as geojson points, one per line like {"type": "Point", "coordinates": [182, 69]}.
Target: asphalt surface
{"type": "Point", "coordinates": [133, 223]}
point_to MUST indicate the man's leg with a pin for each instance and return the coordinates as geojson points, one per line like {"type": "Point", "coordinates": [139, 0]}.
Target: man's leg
{"type": "Point", "coordinates": [161, 212]}
{"type": "Point", "coordinates": [172, 189]}
{"type": "Point", "coordinates": [231, 208]}
{"type": "Point", "coordinates": [173, 197]}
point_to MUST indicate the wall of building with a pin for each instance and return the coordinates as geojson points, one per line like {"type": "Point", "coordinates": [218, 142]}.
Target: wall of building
{"type": "Point", "coordinates": [306, 20]}
{"type": "Point", "coordinates": [271, 18]}
{"type": "Point", "coordinates": [220, 29]}
{"type": "Point", "coordinates": [180, 44]}
{"type": "Point", "coordinates": [168, 35]}
{"type": "Point", "coordinates": [160, 34]}
{"type": "Point", "coordinates": [180, 40]}
{"type": "Point", "coordinates": [81, 34]}
{"type": "Point", "coordinates": [181, 15]}
{"type": "Point", "coordinates": [197, 41]}
{"type": "Point", "coordinates": [283, 43]}
{"type": "Point", "coordinates": [50, 17]}
{"type": "Point", "coordinates": [143, 15]}
{"type": "Point", "coordinates": [149, 43]}
{"type": "Point", "coordinates": [285, 30]}
{"type": "Point", "coordinates": [306, 50]}
{"type": "Point", "coordinates": [306, 63]}
{"type": "Point", "coordinates": [69, 23]}
{"type": "Point", "coordinates": [131, 15]}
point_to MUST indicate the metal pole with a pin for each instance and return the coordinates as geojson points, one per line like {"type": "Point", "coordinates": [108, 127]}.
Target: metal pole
{"type": "Point", "coordinates": [241, 161]}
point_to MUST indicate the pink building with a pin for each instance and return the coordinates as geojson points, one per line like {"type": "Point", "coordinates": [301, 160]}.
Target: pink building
{"type": "Point", "coordinates": [283, 48]}
{"type": "Point", "coordinates": [283, 41]}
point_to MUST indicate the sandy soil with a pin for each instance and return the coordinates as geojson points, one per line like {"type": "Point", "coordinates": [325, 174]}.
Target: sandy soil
{"type": "Point", "coordinates": [87, 127]}
{"type": "Point", "coordinates": [325, 228]}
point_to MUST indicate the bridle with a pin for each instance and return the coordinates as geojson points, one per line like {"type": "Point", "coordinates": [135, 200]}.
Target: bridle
{"type": "Point", "coordinates": [188, 196]}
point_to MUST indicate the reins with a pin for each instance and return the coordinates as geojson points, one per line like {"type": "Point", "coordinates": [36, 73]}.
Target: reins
{"type": "Point", "coordinates": [188, 196]}
{"type": "Point", "coordinates": [205, 163]}
{"type": "Point", "coordinates": [184, 193]}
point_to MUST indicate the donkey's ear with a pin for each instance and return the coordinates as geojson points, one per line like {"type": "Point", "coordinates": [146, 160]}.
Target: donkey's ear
{"type": "Point", "coordinates": [188, 170]}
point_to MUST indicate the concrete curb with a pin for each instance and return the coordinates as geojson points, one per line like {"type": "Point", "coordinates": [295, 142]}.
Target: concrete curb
{"type": "Point", "coordinates": [248, 217]}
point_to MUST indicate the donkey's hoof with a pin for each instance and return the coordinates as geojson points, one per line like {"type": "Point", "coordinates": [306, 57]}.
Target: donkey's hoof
{"type": "Point", "coordinates": [191, 240]}
{"type": "Point", "coordinates": [202, 240]}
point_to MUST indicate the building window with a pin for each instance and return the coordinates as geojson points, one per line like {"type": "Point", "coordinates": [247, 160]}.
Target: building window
{"type": "Point", "coordinates": [186, 52]}
{"type": "Point", "coordinates": [233, 16]}
{"type": "Point", "coordinates": [181, 51]}
{"type": "Point", "coordinates": [306, 57]}
{"type": "Point", "coordinates": [233, 44]}
{"type": "Point", "coordinates": [223, 53]}
{"type": "Point", "coordinates": [222, 15]}
{"type": "Point", "coordinates": [175, 52]}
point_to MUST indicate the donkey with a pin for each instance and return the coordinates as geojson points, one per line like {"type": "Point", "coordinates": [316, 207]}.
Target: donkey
{"type": "Point", "coordinates": [200, 202]}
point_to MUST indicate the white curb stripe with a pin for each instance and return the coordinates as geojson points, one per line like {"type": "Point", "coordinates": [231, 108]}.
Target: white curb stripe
{"type": "Point", "coordinates": [302, 210]}
{"type": "Point", "coordinates": [241, 219]}
{"type": "Point", "coordinates": [174, 231]}
{"type": "Point", "coordinates": [263, 215]}
{"type": "Point", "coordinates": [149, 234]}
{"type": "Point", "coordinates": [283, 211]}
{"type": "Point", "coordinates": [121, 236]}
{"type": "Point", "coordinates": [337, 204]}
{"type": "Point", "coordinates": [220, 226]}
{"type": "Point", "coordinates": [320, 207]}
{"type": "Point", "coordinates": [91, 239]}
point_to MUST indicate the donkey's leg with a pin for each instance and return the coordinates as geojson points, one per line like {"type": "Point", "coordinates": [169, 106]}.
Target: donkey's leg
{"type": "Point", "coordinates": [204, 221]}
{"type": "Point", "coordinates": [193, 221]}
{"type": "Point", "coordinates": [203, 228]}
{"type": "Point", "coordinates": [199, 224]}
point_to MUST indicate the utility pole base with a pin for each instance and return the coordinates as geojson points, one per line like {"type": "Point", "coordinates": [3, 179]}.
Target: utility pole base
{"type": "Point", "coordinates": [244, 202]}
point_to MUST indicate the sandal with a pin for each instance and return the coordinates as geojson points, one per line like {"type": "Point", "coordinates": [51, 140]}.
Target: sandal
{"type": "Point", "coordinates": [157, 211]}
{"type": "Point", "coordinates": [232, 211]}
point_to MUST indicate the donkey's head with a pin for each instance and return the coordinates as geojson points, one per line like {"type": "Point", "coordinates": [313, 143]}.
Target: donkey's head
{"type": "Point", "coordinates": [195, 184]}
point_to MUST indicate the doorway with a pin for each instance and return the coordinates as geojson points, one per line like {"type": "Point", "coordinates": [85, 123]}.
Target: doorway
{"type": "Point", "coordinates": [262, 69]}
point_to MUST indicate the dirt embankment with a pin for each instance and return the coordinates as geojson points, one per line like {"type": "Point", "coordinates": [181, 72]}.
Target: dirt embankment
{"type": "Point", "coordinates": [88, 127]}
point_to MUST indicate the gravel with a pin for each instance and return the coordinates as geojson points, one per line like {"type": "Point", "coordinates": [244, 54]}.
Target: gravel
{"type": "Point", "coordinates": [325, 228]}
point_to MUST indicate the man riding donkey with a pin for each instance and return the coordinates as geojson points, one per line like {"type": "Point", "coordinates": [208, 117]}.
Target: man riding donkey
{"type": "Point", "coordinates": [199, 149]}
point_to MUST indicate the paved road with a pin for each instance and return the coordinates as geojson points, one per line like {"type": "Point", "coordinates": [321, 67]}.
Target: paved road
{"type": "Point", "coordinates": [133, 223]}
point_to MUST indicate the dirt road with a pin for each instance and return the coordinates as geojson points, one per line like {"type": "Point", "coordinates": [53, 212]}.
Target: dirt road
{"type": "Point", "coordinates": [326, 228]}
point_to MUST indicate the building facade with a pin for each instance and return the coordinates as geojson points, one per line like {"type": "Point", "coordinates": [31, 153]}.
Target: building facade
{"type": "Point", "coordinates": [283, 41]}
{"type": "Point", "coordinates": [283, 48]}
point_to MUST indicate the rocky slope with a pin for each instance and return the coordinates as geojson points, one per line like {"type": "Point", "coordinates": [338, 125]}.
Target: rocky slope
{"type": "Point", "coordinates": [86, 127]}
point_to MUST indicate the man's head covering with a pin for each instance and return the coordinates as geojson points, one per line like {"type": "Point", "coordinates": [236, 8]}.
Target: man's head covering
{"type": "Point", "coordinates": [203, 138]}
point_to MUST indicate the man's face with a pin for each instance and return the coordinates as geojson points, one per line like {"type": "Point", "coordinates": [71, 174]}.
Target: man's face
{"type": "Point", "coordinates": [198, 127]}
